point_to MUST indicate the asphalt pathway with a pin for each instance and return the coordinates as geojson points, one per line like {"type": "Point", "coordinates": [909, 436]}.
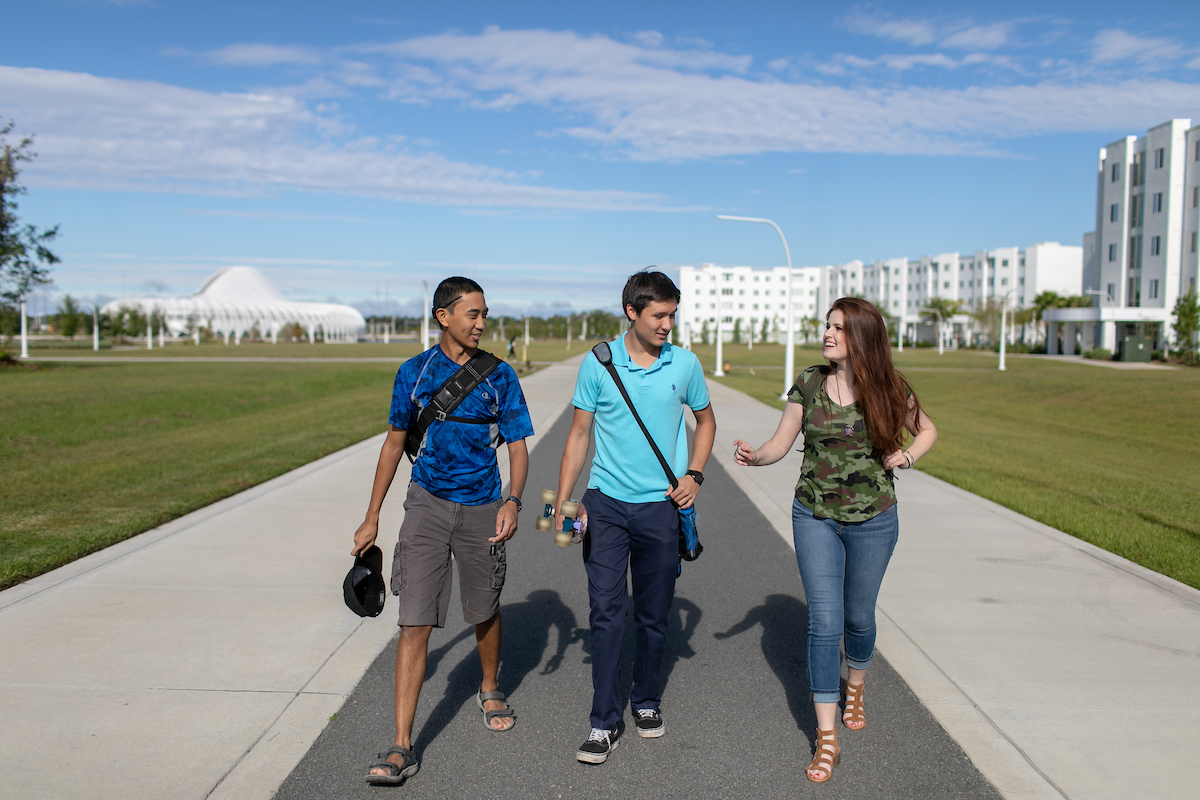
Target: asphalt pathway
{"type": "Point", "coordinates": [735, 700]}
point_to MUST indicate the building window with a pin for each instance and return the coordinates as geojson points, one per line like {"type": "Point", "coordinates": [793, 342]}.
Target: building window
{"type": "Point", "coordinates": [1156, 203]}
{"type": "Point", "coordinates": [727, 291]}
{"type": "Point", "coordinates": [1154, 290]}
{"type": "Point", "coordinates": [1137, 208]}
{"type": "Point", "coordinates": [946, 285]}
{"type": "Point", "coordinates": [1195, 196]}
{"type": "Point", "coordinates": [1004, 262]}
{"type": "Point", "coordinates": [1116, 172]}
{"type": "Point", "coordinates": [728, 276]}
{"type": "Point", "coordinates": [1159, 157]}
{"type": "Point", "coordinates": [1112, 212]}
{"type": "Point", "coordinates": [1111, 291]}
{"type": "Point", "coordinates": [1004, 281]}
{"type": "Point", "coordinates": [1193, 241]}
{"type": "Point", "coordinates": [1197, 156]}
{"type": "Point", "coordinates": [992, 281]}
{"type": "Point", "coordinates": [1135, 252]}
{"type": "Point", "coordinates": [1155, 245]}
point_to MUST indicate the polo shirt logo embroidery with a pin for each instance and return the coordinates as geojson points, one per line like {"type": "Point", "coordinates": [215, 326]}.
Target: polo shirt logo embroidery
{"type": "Point", "coordinates": [672, 387]}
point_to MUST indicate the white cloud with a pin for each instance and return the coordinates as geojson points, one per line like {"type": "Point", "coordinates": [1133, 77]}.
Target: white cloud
{"type": "Point", "coordinates": [884, 26]}
{"type": "Point", "coordinates": [262, 55]}
{"type": "Point", "coordinates": [642, 109]}
{"type": "Point", "coordinates": [105, 133]}
{"type": "Point", "coordinates": [1115, 44]}
{"type": "Point", "coordinates": [958, 34]}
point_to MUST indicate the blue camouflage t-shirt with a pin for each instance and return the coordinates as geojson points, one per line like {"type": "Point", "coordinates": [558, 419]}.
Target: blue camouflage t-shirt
{"type": "Point", "coordinates": [457, 461]}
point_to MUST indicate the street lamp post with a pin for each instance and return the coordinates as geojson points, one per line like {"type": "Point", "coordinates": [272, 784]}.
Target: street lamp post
{"type": "Point", "coordinates": [1003, 309]}
{"type": "Point", "coordinates": [719, 372]}
{"type": "Point", "coordinates": [95, 325]}
{"type": "Point", "coordinates": [789, 362]}
{"type": "Point", "coordinates": [425, 317]}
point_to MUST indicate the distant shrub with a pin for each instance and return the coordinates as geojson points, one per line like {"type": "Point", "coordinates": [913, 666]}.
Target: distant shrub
{"type": "Point", "coordinates": [1157, 355]}
{"type": "Point", "coordinates": [1098, 354]}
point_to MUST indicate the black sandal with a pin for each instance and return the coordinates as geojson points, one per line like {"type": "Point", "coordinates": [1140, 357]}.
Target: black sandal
{"type": "Point", "coordinates": [397, 773]}
{"type": "Point", "coordinates": [488, 716]}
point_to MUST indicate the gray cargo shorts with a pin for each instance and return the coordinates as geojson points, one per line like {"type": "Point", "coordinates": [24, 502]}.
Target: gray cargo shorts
{"type": "Point", "coordinates": [432, 530]}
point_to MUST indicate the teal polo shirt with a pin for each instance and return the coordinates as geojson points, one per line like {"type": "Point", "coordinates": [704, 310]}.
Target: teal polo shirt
{"type": "Point", "coordinates": [624, 467]}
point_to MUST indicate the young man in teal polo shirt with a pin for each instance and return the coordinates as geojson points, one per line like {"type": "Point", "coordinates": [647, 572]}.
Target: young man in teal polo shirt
{"type": "Point", "coordinates": [633, 517]}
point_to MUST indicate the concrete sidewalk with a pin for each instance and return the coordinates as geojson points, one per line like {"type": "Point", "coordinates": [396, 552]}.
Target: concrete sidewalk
{"type": "Point", "coordinates": [202, 659]}
{"type": "Point", "coordinates": [1027, 645]}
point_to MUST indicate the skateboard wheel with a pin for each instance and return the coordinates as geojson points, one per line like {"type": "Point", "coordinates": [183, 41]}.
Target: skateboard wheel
{"type": "Point", "coordinates": [570, 508]}
{"type": "Point", "coordinates": [549, 497]}
{"type": "Point", "coordinates": [543, 523]}
{"type": "Point", "coordinates": [562, 539]}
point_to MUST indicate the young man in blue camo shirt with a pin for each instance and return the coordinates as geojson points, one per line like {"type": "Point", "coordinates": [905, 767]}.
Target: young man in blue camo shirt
{"type": "Point", "coordinates": [454, 506]}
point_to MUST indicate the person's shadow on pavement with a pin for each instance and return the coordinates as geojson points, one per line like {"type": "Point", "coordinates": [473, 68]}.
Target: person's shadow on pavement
{"type": "Point", "coordinates": [784, 643]}
{"type": "Point", "coordinates": [526, 630]}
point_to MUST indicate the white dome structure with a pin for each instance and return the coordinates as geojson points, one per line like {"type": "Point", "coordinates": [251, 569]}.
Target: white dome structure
{"type": "Point", "coordinates": [236, 299]}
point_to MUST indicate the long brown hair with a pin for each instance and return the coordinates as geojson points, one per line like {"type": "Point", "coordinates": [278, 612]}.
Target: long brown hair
{"type": "Point", "coordinates": [883, 393]}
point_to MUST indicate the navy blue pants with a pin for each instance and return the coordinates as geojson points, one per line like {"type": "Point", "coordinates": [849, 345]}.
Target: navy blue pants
{"type": "Point", "coordinates": [646, 537]}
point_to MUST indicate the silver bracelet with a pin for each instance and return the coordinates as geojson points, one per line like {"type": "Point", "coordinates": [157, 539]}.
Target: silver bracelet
{"type": "Point", "coordinates": [911, 460]}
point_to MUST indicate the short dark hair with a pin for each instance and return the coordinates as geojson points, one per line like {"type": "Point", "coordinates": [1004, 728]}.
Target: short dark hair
{"type": "Point", "coordinates": [646, 287]}
{"type": "Point", "coordinates": [450, 291]}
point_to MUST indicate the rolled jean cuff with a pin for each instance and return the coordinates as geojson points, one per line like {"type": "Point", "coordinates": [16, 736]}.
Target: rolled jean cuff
{"type": "Point", "coordinates": [854, 664]}
{"type": "Point", "coordinates": [827, 697]}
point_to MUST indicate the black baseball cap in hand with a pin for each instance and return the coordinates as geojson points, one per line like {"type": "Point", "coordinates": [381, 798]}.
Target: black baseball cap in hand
{"type": "Point", "coordinates": [364, 587]}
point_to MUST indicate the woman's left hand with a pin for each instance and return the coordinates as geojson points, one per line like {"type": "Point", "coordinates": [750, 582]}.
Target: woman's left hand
{"type": "Point", "coordinates": [896, 460]}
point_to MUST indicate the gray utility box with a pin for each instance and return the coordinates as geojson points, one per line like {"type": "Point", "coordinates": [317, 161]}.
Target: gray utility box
{"type": "Point", "coordinates": [1134, 348]}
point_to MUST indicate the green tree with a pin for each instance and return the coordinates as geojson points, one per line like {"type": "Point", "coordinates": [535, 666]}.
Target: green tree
{"type": "Point", "coordinates": [766, 330]}
{"type": "Point", "coordinates": [704, 332]}
{"type": "Point", "coordinates": [25, 257]}
{"type": "Point", "coordinates": [737, 331]}
{"type": "Point", "coordinates": [68, 317]}
{"type": "Point", "coordinates": [1187, 323]}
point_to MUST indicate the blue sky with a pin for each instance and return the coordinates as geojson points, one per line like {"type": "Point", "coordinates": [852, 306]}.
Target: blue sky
{"type": "Point", "coordinates": [548, 150]}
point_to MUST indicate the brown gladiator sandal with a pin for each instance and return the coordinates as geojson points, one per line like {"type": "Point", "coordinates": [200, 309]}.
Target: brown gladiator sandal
{"type": "Point", "coordinates": [826, 757]}
{"type": "Point", "coordinates": [854, 707]}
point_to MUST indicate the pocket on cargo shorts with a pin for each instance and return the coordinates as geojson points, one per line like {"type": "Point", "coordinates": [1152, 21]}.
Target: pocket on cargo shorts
{"type": "Point", "coordinates": [399, 569]}
{"type": "Point", "coordinates": [499, 568]}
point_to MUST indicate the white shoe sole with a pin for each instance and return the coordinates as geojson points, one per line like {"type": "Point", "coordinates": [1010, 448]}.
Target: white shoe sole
{"type": "Point", "coordinates": [654, 733]}
{"type": "Point", "coordinates": [596, 758]}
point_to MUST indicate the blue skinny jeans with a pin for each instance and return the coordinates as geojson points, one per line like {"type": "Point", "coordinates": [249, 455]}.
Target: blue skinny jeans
{"type": "Point", "coordinates": [842, 566]}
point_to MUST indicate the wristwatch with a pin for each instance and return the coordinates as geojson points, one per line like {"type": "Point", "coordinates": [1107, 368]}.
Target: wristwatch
{"type": "Point", "coordinates": [516, 500]}
{"type": "Point", "coordinates": [697, 476]}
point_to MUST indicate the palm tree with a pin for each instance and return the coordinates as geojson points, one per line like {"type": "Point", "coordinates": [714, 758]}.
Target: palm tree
{"type": "Point", "coordinates": [1042, 302]}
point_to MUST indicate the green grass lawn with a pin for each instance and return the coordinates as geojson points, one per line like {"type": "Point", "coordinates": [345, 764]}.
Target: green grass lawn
{"type": "Point", "coordinates": [1110, 456]}
{"type": "Point", "coordinates": [96, 453]}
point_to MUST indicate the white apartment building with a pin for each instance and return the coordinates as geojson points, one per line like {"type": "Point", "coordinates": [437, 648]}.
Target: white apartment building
{"type": "Point", "coordinates": [1142, 256]}
{"type": "Point", "coordinates": [743, 297]}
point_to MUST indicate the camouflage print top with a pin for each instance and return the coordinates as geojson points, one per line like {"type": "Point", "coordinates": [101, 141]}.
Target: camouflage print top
{"type": "Point", "coordinates": [840, 478]}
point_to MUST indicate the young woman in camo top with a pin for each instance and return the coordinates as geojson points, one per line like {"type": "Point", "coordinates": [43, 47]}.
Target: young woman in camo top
{"type": "Point", "coordinates": [853, 414]}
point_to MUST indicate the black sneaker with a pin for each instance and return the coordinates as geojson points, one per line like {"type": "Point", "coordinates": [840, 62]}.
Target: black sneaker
{"type": "Point", "coordinates": [598, 745]}
{"type": "Point", "coordinates": [649, 723]}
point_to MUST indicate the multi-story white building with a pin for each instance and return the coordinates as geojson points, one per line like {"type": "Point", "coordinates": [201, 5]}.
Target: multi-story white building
{"type": "Point", "coordinates": [1142, 256]}
{"type": "Point", "coordinates": [743, 297]}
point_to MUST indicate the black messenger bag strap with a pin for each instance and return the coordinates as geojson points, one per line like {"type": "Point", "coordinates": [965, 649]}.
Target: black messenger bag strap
{"type": "Point", "coordinates": [603, 354]}
{"type": "Point", "coordinates": [448, 397]}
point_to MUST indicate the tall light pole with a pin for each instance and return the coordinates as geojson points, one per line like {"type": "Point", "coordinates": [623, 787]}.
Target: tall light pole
{"type": "Point", "coordinates": [789, 360]}
{"type": "Point", "coordinates": [95, 325]}
{"type": "Point", "coordinates": [719, 372]}
{"type": "Point", "coordinates": [425, 317]}
{"type": "Point", "coordinates": [1003, 308]}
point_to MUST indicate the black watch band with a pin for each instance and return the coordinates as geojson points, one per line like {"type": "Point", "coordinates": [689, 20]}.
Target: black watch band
{"type": "Point", "coordinates": [516, 500]}
{"type": "Point", "coordinates": [697, 476]}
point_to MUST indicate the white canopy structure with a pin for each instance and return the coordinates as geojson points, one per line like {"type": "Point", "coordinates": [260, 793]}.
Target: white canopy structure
{"type": "Point", "coordinates": [236, 299]}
